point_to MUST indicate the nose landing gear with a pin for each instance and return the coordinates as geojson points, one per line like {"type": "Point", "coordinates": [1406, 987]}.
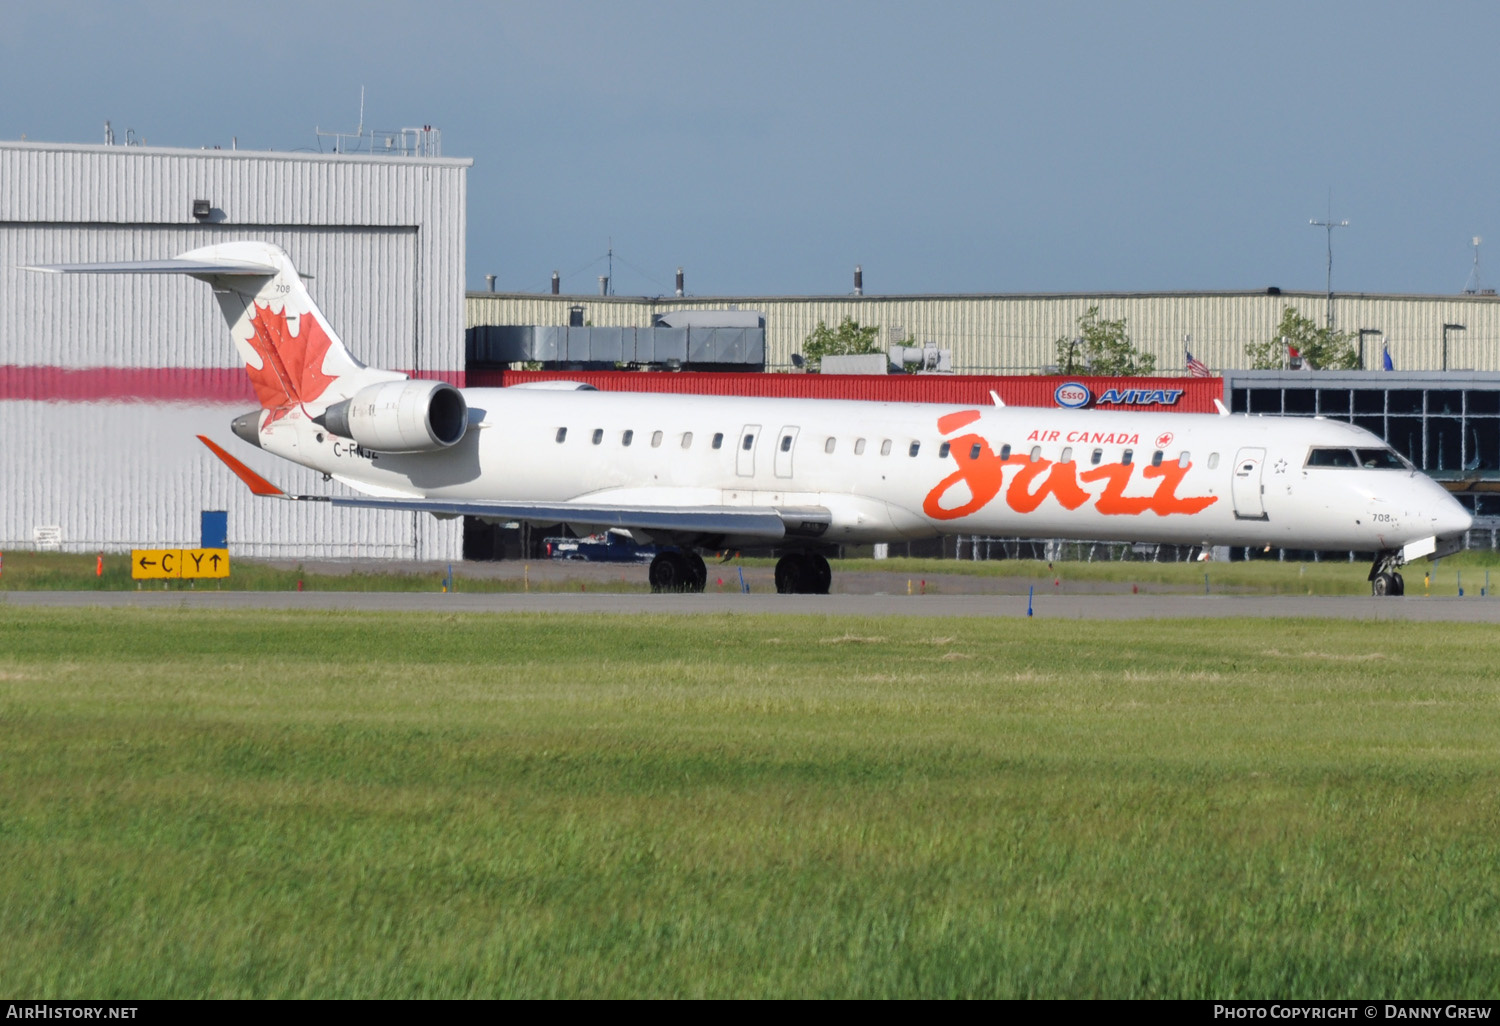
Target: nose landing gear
{"type": "Point", "coordinates": [1384, 578]}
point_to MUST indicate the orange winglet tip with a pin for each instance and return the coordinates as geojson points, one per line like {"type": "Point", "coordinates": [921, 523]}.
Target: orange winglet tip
{"type": "Point", "coordinates": [258, 484]}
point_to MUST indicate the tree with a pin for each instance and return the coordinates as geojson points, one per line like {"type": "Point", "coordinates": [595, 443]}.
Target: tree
{"type": "Point", "coordinates": [1102, 346]}
{"type": "Point", "coordinates": [1326, 348]}
{"type": "Point", "coordinates": [848, 339]}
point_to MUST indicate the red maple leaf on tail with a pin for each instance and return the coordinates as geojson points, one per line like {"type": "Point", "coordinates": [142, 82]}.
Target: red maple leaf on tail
{"type": "Point", "coordinates": [291, 370]}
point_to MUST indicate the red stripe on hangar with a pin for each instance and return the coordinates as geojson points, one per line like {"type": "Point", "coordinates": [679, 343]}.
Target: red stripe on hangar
{"type": "Point", "coordinates": [208, 386]}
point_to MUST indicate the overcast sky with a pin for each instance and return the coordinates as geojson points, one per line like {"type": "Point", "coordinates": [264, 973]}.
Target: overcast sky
{"type": "Point", "coordinates": [769, 147]}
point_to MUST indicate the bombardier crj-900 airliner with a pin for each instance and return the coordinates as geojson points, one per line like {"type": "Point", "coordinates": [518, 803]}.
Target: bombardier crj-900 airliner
{"type": "Point", "coordinates": [692, 473]}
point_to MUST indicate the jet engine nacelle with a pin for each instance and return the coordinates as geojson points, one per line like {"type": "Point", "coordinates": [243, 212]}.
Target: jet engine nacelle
{"type": "Point", "coordinates": [401, 416]}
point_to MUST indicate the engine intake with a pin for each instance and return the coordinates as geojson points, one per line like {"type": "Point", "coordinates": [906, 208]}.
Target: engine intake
{"type": "Point", "coordinates": [401, 416]}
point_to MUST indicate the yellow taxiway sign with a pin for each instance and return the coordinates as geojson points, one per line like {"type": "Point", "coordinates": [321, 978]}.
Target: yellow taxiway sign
{"type": "Point", "coordinates": [146, 564]}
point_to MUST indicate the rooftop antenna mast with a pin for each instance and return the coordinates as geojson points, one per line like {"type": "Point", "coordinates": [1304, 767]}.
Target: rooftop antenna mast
{"type": "Point", "coordinates": [1474, 285]}
{"type": "Point", "coordinates": [1329, 225]}
{"type": "Point", "coordinates": [421, 141]}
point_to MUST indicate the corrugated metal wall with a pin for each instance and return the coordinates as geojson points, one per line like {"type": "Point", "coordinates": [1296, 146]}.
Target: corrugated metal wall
{"type": "Point", "coordinates": [383, 243]}
{"type": "Point", "coordinates": [1196, 395]}
{"type": "Point", "coordinates": [1017, 334]}
{"type": "Point", "coordinates": [114, 476]}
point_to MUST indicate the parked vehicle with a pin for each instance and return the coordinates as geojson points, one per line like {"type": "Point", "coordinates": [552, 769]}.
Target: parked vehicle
{"type": "Point", "coordinates": [609, 547]}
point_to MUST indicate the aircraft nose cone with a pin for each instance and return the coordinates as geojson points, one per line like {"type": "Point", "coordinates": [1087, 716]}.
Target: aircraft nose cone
{"type": "Point", "coordinates": [1453, 519]}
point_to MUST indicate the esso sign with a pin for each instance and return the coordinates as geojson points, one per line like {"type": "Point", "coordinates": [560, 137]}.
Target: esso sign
{"type": "Point", "coordinates": [1073, 396]}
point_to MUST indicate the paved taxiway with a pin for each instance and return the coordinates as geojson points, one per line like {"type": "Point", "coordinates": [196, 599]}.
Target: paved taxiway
{"type": "Point", "coordinates": [1066, 607]}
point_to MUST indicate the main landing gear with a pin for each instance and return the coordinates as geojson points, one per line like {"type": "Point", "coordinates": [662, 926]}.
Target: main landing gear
{"type": "Point", "coordinates": [803, 573]}
{"type": "Point", "coordinates": [1384, 578]}
{"type": "Point", "coordinates": [797, 573]}
{"type": "Point", "coordinates": [674, 570]}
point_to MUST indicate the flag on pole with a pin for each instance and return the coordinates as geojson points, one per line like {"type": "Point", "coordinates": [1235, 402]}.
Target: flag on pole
{"type": "Point", "coordinates": [1297, 360]}
{"type": "Point", "coordinates": [1197, 368]}
{"type": "Point", "coordinates": [1385, 359]}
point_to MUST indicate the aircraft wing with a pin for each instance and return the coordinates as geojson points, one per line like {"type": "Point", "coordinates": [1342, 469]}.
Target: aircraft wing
{"type": "Point", "coordinates": [771, 523]}
{"type": "Point", "coordinates": [681, 524]}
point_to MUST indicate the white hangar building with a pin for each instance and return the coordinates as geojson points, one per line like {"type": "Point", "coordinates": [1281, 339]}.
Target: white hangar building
{"type": "Point", "coordinates": [106, 379]}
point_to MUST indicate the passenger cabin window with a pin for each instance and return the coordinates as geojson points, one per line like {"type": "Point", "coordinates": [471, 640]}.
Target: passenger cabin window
{"type": "Point", "coordinates": [1096, 456]}
{"type": "Point", "coordinates": [718, 442]}
{"type": "Point", "coordinates": [916, 447]}
{"type": "Point", "coordinates": [1036, 453]}
{"type": "Point", "coordinates": [1185, 460]}
{"type": "Point", "coordinates": [1067, 455]}
{"type": "Point", "coordinates": [974, 451]}
{"type": "Point", "coordinates": [687, 439]}
{"type": "Point", "coordinates": [598, 435]}
{"type": "Point", "coordinates": [943, 451]}
{"type": "Point", "coordinates": [828, 446]}
{"type": "Point", "coordinates": [1156, 458]}
{"type": "Point", "coordinates": [859, 447]}
{"type": "Point", "coordinates": [885, 447]}
{"type": "Point", "coordinates": [1129, 455]}
{"type": "Point", "coordinates": [562, 435]}
{"type": "Point", "coordinates": [656, 439]}
{"type": "Point", "coordinates": [749, 443]}
{"type": "Point", "coordinates": [786, 443]}
{"type": "Point", "coordinates": [1331, 458]}
{"type": "Point", "coordinates": [1005, 452]}
{"type": "Point", "coordinates": [1213, 460]}
{"type": "Point", "coordinates": [627, 438]}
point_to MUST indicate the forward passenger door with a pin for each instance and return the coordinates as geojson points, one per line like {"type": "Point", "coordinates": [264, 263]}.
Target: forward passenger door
{"type": "Point", "coordinates": [1248, 492]}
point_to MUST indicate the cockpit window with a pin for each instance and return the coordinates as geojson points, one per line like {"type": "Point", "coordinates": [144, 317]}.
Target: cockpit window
{"type": "Point", "coordinates": [1380, 459]}
{"type": "Point", "coordinates": [1331, 458]}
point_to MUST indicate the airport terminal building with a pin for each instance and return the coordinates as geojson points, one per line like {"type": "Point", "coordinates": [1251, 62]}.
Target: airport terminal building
{"type": "Point", "coordinates": [106, 379]}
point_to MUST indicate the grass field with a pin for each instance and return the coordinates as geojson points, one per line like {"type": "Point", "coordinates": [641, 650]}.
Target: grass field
{"type": "Point", "coordinates": [37, 571]}
{"type": "Point", "coordinates": [333, 805]}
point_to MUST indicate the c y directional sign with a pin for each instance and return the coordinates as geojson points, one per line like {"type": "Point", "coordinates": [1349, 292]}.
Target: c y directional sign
{"type": "Point", "coordinates": [147, 564]}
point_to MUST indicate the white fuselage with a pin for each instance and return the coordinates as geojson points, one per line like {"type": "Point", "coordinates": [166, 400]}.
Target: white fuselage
{"type": "Point", "coordinates": [884, 472]}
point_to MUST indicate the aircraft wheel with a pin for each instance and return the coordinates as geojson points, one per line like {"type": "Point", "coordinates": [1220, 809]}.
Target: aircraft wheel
{"type": "Point", "coordinates": [1383, 584]}
{"type": "Point", "coordinates": [822, 574]}
{"type": "Point", "coordinates": [698, 572]}
{"type": "Point", "coordinates": [1400, 588]}
{"type": "Point", "coordinates": [670, 571]}
{"type": "Point", "coordinates": [791, 574]}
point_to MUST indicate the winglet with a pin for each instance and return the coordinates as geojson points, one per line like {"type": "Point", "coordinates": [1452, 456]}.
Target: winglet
{"type": "Point", "coordinates": [258, 484]}
{"type": "Point", "coordinates": [1223, 410]}
{"type": "Point", "coordinates": [996, 397]}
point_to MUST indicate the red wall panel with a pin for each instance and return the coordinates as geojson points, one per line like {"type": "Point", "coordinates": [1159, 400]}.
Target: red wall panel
{"type": "Point", "coordinates": [1196, 395]}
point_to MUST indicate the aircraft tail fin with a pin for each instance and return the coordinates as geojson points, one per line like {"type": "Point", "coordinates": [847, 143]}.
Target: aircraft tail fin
{"type": "Point", "coordinates": [291, 353]}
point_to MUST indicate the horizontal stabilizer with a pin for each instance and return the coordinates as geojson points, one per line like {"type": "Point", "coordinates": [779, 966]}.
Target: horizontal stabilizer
{"type": "Point", "coordinates": [199, 267]}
